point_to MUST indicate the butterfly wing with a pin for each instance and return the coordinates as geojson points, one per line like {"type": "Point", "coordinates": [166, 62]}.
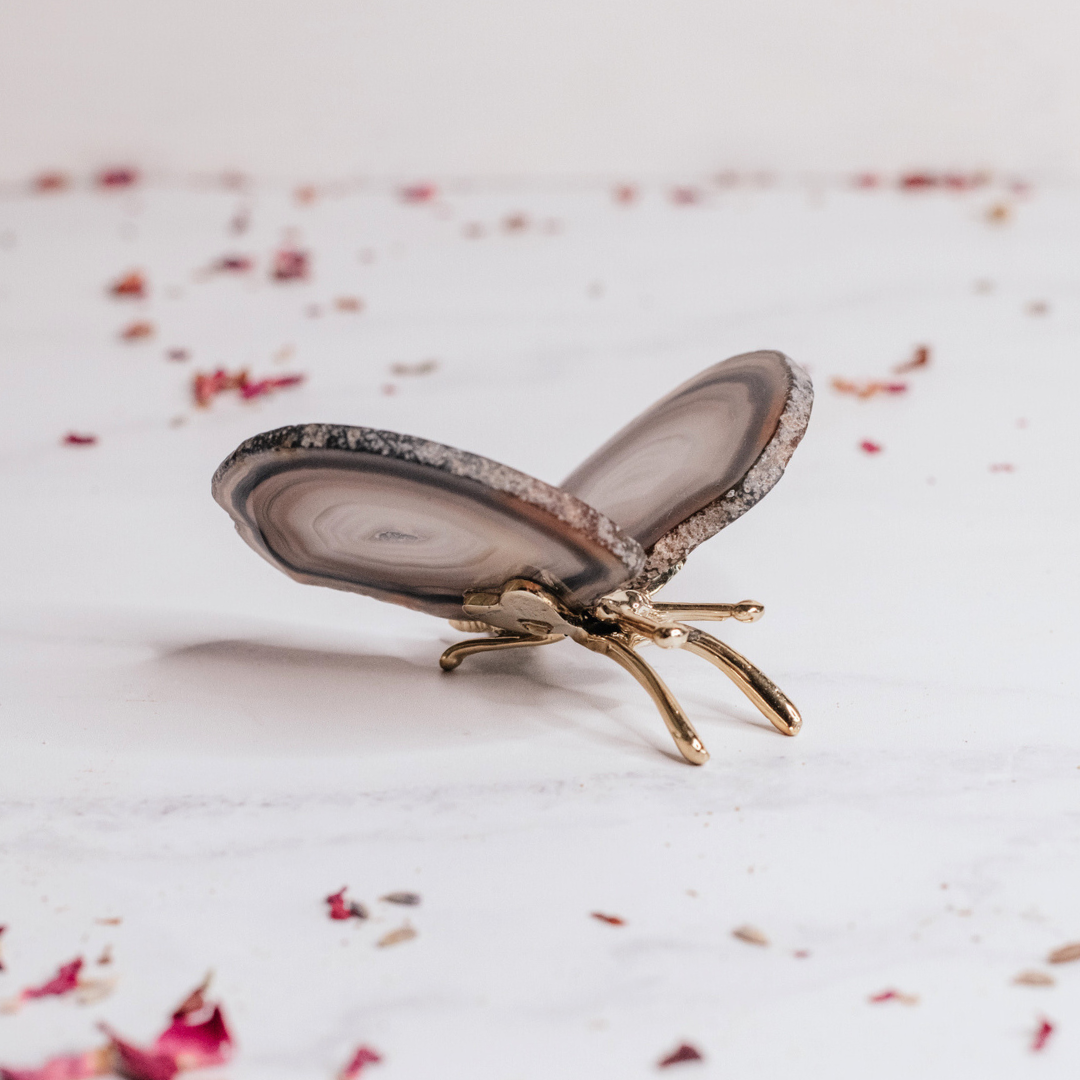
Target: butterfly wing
{"type": "Point", "coordinates": [699, 458]}
{"type": "Point", "coordinates": [413, 522]}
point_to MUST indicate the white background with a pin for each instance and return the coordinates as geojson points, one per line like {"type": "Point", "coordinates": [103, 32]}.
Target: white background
{"type": "Point", "coordinates": [328, 88]}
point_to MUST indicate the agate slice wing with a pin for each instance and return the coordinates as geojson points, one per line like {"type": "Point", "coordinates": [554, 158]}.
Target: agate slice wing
{"type": "Point", "coordinates": [414, 522]}
{"type": "Point", "coordinates": [699, 458]}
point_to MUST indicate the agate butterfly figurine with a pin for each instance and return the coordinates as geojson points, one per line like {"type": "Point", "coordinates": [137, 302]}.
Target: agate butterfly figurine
{"type": "Point", "coordinates": [497, 552]}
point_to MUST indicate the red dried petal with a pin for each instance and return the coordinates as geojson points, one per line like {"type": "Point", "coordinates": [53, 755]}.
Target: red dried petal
{"type": "Point", "coordinates": [364, 1056]}
{"type": "Point", "coordinates": [63, 982]}
{"type": "Point", "coordinates": [1042, 1034]}
{"type": "Point", "coordinates": [885, 995]}
{"type": "Point", "coordinates": [233, 264]}
{"type": "Point", "coordinates": [50, 181]}
{"type": "Point", "coordinates": [65, 1067]}
{"type": "Point", "coordinates": [685, 1052]}
{"type": "Point", "coordinates": [612, 920]}
{"type": "Point", "coordinates": [871, 447]}
{"type": "Point", "coordinates": [914, 181]}
{"type": "Point", "coordinates": [137, 1064]}
{"type": "Point", "coordinates": [137, 331]}
{"type": "Point", "coordinates": [919, 359]}
{"type": "Point", "coordinates": [290, 265]}
{"type": "Point", "coordinates": [116, 178]}
{"type": "Point", "coordinates": [340, 908]}
{"type": "Point", "coordinates": [685, 196]}
{"type": "Point", "coordinates": [72, 438]}
{"type": "Point", "coordinates": [625, 193]}
{"type": "Point", "coordinates": [195, 1001]}
{"type": "Point", "coordinates": [867, 180]}
{"type": "Point", "coordinates": [132, 284]}
{"type": "Point", "coordinates": [195, 1045]}
{"type": "Point", "coordinates": [419, 193]}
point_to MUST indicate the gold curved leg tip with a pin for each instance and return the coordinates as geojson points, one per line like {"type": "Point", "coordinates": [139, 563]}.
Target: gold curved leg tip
{"type": "Point", "coordinates": [449, 660]}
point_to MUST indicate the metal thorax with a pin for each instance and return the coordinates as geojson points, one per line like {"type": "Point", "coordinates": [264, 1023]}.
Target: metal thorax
{"type": "Point", "coordinates": [524, 614]}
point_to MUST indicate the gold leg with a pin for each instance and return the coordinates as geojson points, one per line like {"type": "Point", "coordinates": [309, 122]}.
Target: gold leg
{"type": "Point", "coordinates": [758, 687]}
{"type": "Point", "coordinates": [453, 656]}
{"type": "Point", "coordinates": [682, 731]}
{"type": "Point", "coordinates": [743, 611]}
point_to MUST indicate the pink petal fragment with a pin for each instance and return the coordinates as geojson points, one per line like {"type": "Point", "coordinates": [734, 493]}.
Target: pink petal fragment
{"type": "Point", "coordinates": [196, 1045]}
{"type": "Point", "coordinates": [63, 982]}
{"type": "Point", "coordinates": [341, 909]}
{"type": "Point", "coordinates": [685, 1052]}
{"type": "Point", "coordinates": [1042, 1034]}
{"type": "Point", "coordinates": [138, 1064]}
{"type": "Point", "coordinates": [870, 447]}
{"type": "Point", "coordinates": [66, 1067]}
{"type": "Point", "coordinates": [364, 1056]}
{"type": "Point", "coordinates": [291, 265]}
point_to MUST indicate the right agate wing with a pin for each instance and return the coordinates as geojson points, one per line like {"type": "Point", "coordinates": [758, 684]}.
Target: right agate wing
{"type": "Point", "coordinates": [412, 521]}
{"type": "Point", "coordinates": [699, 458]}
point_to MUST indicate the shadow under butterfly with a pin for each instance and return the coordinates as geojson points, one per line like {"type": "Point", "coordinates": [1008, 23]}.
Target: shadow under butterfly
{"type": "Point", "coordinates": [464, 538]}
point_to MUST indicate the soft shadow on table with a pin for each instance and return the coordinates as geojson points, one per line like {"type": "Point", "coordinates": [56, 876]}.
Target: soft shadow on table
{"type": "Point", "coordinates": [249, 695]}
{"type": "Point", "coordinates": [245, 695]}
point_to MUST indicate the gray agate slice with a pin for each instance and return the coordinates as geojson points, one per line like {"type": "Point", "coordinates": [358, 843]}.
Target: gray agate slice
{"type": "Point", "coordinates": [699, 458]}
{"type": "Point", "coordinates": [414, 522]}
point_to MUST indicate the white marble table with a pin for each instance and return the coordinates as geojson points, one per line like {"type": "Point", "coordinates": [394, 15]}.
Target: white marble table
{"type": "Point", "coordinates": [194, 743]}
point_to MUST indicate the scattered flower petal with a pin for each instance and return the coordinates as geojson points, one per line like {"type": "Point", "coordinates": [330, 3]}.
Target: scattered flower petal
{"type": "Point", "coordinates": [516, 222]}
{"type": "Point", "coordinates": [1066, 954]}
{"type": "Point", "coordinates": [421, 367]}
{"type": "Point", "coordinates": [131, 285]}
{"type": "Point", "coordinates": [306, 194]}
{"type": "Point", "coordinates": [1037, 307]}
{"type": "Point", "coordinates": [419, 193]}
{"type": "Point", "coordinates": [685, 196]}
{"type": "Point", "coordinates": [117, 177]}
{"type": "Point", "coordinates": [363, 1057]}
{"type": "Point", "coordinates": [137, 331]}
{"type": "Point", "coordinates": [685, 1052]}
{"type": "Point", "coordinates": [871, 447]}
{"type": "Point", "coordinates": [894, 995]}
{"type": "Point", "coordinates": [178, 354]}
{"type": "Point", "coordinates": [750, 934]}
{"type": "Point", "coordinates": [256, 389]}
{"type": "Point", "coordinates": [232, 264]}
{"type": "Point", "coordinates": [73, 438]}
{"type": "Point", "coordinates": [624, 194]}
{"type": "Point", "coordinates": [919, 359]}
{"type": "Point", "coordinates": [409, 899]}
{"type": "Point", "coordinates": [611, 920]}
{"type": "Point", "coordinates": [66, 1067]}
{"type": "Point", "coordinates": [1042, 1034]}
{"type": "Point", "coordinates": [1034, 978]}
{"type": "Point", "coordinates": [291, 264]}
{"type": "Point", "coordinates": [137, 1064]}
{"type": "Point", "coordinates": [206, 387]}
{"type": "Point", "coordinates": [50, 181]}
{"type": "Point", "coordinates": [395, 937]}
{"type": "Point", "coordinates": [1002, 466]}
{"type": "Point", "coordinates": [340, 908]}
{"type": "Point", "coordinates": [106, 956]}
{"type": "Point", "coordinates": [867, 389]}
{"type": "Point", "coordinates": [349, 303]}
{"type": "Point", "coordinates": [998, 213]}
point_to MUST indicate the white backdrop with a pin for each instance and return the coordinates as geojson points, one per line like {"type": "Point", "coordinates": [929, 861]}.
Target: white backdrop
{"type": "Point", "coordinates": [553, 87]}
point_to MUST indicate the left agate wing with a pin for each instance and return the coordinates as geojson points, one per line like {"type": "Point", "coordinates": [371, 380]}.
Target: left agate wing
{"type": "Point", "coordinates": [699, 458]}
{"type": "Point", "coordinates": [414, 522]}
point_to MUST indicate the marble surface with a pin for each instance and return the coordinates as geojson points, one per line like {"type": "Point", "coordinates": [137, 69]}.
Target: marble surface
{"type": "Point", "coordinates": [202, 747]}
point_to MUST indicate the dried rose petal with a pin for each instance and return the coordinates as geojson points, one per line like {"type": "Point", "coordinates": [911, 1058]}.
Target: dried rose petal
{"type": "Point", "coordinates": [291, 264]}
{"type": "Point", "coordinates": [422, 367]}
{"type": "Point", "coordinates": [919, 359]}
{"type": "Point", "coordinates": [63, 982]}
{"type": "Point", "coordinates": [1066, 954]}
{"type": "Point", "coordinates": [349, 303]}
{"type": "Point", "coordinates": [419, 193]}
{"type": "Point", "coordinates": [132, 285]}
{"type": "Point", "coordinates": [750, 934]}
{"type": "Point", "coordinates": [194, 1042]}
{"type": "Point", "coordinates": [409, 899]}
{"type": "Point", "coordinates": [340, 908]}
{"type": "Point", "coordinates": [137, 331]}
{"type": "Point", "coordinates": [396, 937]}
{"type": "Point", "coordinates": [916, 181]}
{"type": "Point", "coordinates": [625, 194]}
{"type": "Point", "coordinates": [72, 438]}
{"type": "Point", "coordinates": [516, 222]}
{"type": "Point", "coordinates": [685, 196]}
{"type": "Point", "coordinates": [867, 389]}
{"type": "Point", "coordinates": [50, 181]}
{"type": "Point", "coordinates": [233, 264]}
{"type": "Point", "coordinates": [177, 354]}
{"type": "Point", "coordinates": [264, 386]}
{"type": "Point", "coordinates": [611, 920]}
{"type": "Point", "coordinates": [117, 178]}
{"type": "Point", "coordinates": [871, 447]}
{"type": "Point", "coordinates": [867, 180]}
{"type": "Point", "coordinates": [137, 1064]}
{"type": "Point", "coordinates": [685, 1052]}
{"type": "Point", "coordinates": [364, 1056]}
{"type": "Point", "coordinates": [305, 195]}
{"type": "Point", "coordinates": [1042, 1034]}
{"type": "Point", "coordinates": [66, 1067]}
{"type": "Point", "coordinates": [894, 995]}
{"type": "Point", "coordinates": [998, 213]}
{"type": "Point", "coordinates": [1002, 466]}
{"type": "Point", "coordinates": [1034, 978]}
